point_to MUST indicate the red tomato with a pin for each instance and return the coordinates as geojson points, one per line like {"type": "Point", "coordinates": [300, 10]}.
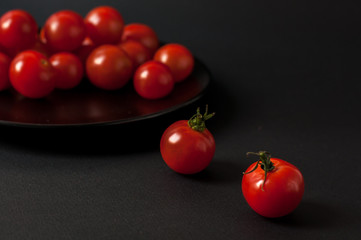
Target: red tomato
{"type": "Point", "coordinates": [69, 70]}
{"type": "Point", "coordinates": [153, 80]}
{"type": "Point", "coordinates": [31, 74]}
{"type": "Point", "coordinates": [136, 51]}
{"type": "Point", "coordinates": [4, 71]}
{"type": "Point", "coordinates": [18, 30]}
{"type": "Point", "coordinates": [273, 189]}
{"type": "Point", "coordinates": [104, 25]}
{"type": "Point", "coordinates": [187, 147]}
{"type": "Point", "coordinates": [109, 67]}
{"type": "Point", "coordinates": [64, 30]}
{"type": "Point", "coordinates": [178, 58]}
{"type": "Point", "coordinates": [142, 33]}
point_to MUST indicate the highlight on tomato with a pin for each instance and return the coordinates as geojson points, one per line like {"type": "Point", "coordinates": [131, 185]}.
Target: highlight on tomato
{"type": "Point", "coordinates": [178, 58]}
{"type": "Point", "coordinates": [271, 186]}
{"type": "Point", "coordinates": [108, 67]}
{"type": "Point", "coordinates": [136, 51]}
{"type": "Point", "coordinates": [142, 33]}
{"type": "Point", "coordinates": [64, 30]}
{"type": "Point", "coordinates": [69, 70]}
{"type": "Point", "coordinates": [187, 146]}
{"type": "Point", "coordinates": [31, 74]}
{"type": "Point", "coordinates": [153, 80]}
{"type": "Point", "coordinates": [18, 30]}
{"type": "Point", "coordinates": [104, 25]}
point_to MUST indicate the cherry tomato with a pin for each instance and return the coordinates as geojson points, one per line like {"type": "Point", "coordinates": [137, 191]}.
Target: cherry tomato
{"type": "Point", "coordinates": [18, 30]}
{"type": "Point", "coordinates": [4, 71]}
{"type": "Point", "coordinates": [187, 147]}
{"type": "Point", "coordinates": [104, 25]}
{"type": "Point", "coordinates": [31, 74]}
{"type": "Point", "coordinates": [136, 51]}
{"type": "Point", "coordinates": [142, 33]}
{"type": "Point", "coordinates": [64, 30]}
{"type": "Point", "coordinates": [69, 70]}
{"type": "Point", "coordinates": [178, 58]}
{"type": "Point", "coordinates": [109, 67]}
{"type": "Point", "coordinates": [272, 187]}
{"type": "Point", "coordinates": [153, 80]}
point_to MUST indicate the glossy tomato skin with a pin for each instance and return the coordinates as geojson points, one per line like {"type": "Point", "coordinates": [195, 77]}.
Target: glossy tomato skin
{"type": "Point", "coordinates": [4, 71]}
{"type": "Point", "coordinates": [136, 51]}
{"type": "Point", "coordinates": [282, 191]}
{"type": "Point", "coordinates": [64, 31]}
{"type": "Point", "coordinates": [109, 67]}
{"type": "Point", "coordinates": [142, 33]}
{"type": "Point", "coordinates": [31, 74]}
{"type": "Point", "coordinates": [18, 30]}
{"type": "Point", "coordinates": [104, 25]}
{"type": "Point", "coordinates": [178, 58]}
{"type": "Point", "coordinates": [153, 80]}
{"type": "Point", "coordinates": [185, 150]}
{"type": "Point", "coordinates": [69, 70]}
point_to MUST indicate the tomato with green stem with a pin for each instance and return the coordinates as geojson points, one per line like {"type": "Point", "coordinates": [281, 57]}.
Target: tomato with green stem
{"type": "Point", "coordinates": [187, 146]}
{"type": "Point", "coordinates": [271, 186]}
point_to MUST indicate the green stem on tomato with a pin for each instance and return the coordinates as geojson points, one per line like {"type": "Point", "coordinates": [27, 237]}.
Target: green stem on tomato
{"type": "Point", "coordinates": [264, 161]}
{"type": "Point", "coordinates": [198, 121]}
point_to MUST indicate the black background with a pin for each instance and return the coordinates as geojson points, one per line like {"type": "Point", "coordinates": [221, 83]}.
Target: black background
{"type": "Point", "coordinates": [285, 78]}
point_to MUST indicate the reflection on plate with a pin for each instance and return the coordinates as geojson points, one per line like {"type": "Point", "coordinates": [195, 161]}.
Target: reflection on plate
{"type": "Point", "coordinates": [87, 105]}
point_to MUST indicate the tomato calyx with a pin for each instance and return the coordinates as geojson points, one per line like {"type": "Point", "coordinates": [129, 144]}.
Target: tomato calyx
{"type": "Point", "coordinates": [198, 121]}
{"type": "Point", "coordinates": [265, 163]}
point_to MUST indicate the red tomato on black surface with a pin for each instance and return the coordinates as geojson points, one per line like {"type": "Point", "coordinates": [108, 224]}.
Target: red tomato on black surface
{"type": "Point", "coordinates": [109, 67]}
{"type": "Point", "coordinates": [31, 74]}
{"type": "Point", "coordinates": [272, 187]}
{"type": "Point", "coordinates": [64, 31]}
{"type": "Point", "coordinates": [178, 58]}
{"type": "Point", "coordinates": [69, 70]}
{"type": "Point", "coordinates": [104, 25]}
{"type": "Point", "coordinates": [136, 51]}
{"type": "Point", "coordinates": [187, 147]}
{"type": "Point", "coordinates": [142, 33]}
{"type": "Point", "coordinates": [4, 71]}
{"type": "Point", "coordinates": [18, 30]}
{"type": "Point", "coordinates": [153, 80]}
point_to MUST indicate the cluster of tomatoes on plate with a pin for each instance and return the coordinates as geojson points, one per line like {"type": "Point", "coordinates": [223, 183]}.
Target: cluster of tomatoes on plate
{"type": "Point", "coordinates": [99, 47]}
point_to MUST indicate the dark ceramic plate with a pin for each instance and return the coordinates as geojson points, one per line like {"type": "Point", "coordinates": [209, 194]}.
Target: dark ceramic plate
{"type": "Point", "coordinates": [86, 105]}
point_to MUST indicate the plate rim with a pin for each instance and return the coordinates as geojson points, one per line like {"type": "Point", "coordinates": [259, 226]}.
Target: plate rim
{"type": "Point", "coordinates": [119, 121]}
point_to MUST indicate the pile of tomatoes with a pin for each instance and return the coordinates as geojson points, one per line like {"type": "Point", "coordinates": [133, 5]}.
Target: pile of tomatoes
{"type": "Point", "coordinates": [99, 47]}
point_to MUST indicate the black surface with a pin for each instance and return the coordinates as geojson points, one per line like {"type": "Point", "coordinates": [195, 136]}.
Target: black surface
{"type": "Point", "coordinates": [286, 79]}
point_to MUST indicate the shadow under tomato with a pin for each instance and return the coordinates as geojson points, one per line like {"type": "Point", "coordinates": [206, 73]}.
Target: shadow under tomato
{"type": "Point", "coordinates": [317, 215]}
{"type": "Point", "coordinates": [218, 172]}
